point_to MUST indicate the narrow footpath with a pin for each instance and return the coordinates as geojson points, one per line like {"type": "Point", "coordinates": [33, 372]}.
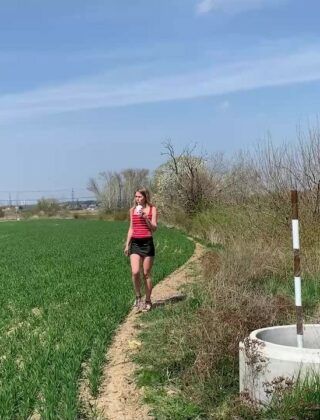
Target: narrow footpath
{"type": "Point", "coordinates": [119, 398]}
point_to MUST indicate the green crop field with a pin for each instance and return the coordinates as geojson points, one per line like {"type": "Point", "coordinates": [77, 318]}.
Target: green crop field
{"type": "Point", "coordinates": [65, 287]}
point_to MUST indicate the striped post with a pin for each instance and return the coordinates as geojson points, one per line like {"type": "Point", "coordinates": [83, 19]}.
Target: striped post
{"type": "Point", "coordinates": [296, 266]}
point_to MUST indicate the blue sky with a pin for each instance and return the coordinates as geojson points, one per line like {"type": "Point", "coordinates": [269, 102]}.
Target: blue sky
{"type": "Point", "coordinates": [89, 86]}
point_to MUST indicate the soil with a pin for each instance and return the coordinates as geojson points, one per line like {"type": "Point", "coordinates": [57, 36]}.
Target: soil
{"type": "Point", "coordinates": [119, 397]}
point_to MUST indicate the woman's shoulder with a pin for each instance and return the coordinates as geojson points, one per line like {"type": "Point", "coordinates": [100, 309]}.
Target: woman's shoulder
{"type": "Point", "coordinates": [153, 209]}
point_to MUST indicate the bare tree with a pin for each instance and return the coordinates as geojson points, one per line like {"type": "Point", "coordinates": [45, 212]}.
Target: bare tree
{"type": "Point", "coordinates": [114, 190]}
{"type": "Point", "coordinates": [133, 179]}
{"type": "Point", "coordinates": [307, 166]}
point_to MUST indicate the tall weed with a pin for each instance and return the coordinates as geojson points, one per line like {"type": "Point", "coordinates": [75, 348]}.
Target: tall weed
{"type": "Point", "coordinates": [248, 285]}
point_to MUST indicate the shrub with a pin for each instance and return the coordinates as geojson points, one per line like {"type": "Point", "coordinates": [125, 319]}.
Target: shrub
{"type": "Point", "coordinates": [48, 206]}
{"type": "Point", "coordinates": [121, 215]}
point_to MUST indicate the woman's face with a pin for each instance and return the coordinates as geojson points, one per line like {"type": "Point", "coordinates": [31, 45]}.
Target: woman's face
{"type": "Point", "coordinates": [139, 198]}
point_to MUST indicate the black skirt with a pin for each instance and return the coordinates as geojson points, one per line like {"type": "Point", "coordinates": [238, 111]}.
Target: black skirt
{"type": "Point", "coordinates": [142, 246]}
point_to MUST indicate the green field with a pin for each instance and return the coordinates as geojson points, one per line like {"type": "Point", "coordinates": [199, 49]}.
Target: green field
{"type": "Point", "coordinates": [65, 287]}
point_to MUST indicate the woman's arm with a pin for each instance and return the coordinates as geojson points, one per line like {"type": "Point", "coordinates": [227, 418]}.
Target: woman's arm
{"type": "Point", "coordinates": [129, 236]}
{"type": "Point", "coordinates": [153, 223]}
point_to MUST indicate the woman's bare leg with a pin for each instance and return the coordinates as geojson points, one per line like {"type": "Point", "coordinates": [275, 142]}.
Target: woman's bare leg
{"type": "Point", "coordinates": [135, 261]}
{"type": "Point", "coordinates": [147, 266]}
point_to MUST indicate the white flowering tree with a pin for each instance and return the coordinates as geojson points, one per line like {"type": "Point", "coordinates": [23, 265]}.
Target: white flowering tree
{"type": "Point", "coordinates": [184, 181]}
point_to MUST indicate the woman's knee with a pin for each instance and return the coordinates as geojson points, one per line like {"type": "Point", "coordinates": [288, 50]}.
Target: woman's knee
{"type": "Point", "coordinates": [147, 274]}
{"type": "Point", "coordinates": [135, 273]}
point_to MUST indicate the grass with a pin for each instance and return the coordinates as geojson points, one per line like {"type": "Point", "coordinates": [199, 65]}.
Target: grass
{"type": "Point", "coordinates": [310, 291]}
{"type": "Point", "coordinates": [163, 359]}
{"type": "Point", "coordinates": [188, 364]}
{"type": "Point", "coordinates": [65, 287]}
{"type": "Point", "coordinates": [303, 401]}
{"type": "Point", "coordinates": [245, 284]}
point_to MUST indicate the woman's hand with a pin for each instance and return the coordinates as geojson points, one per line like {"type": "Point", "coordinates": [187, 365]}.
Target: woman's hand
{"type": "Point", "coordinates": [148, 221]}
{"type": "Point", "coordinates": [126, 251]}
{"type": "Point", "coordinates": [144, 214]}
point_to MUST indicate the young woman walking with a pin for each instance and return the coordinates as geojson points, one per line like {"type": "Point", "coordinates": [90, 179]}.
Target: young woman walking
{"type": "Point", "coordinates": [140, 246]}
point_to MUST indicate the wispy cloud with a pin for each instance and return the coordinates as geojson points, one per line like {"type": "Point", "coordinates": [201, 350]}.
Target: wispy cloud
{"type": "Point", "coordinates": [224, 105]}
{"type": "Point", "coordinates": [103, 91]}
{"type": "Point", "coordinates": [233, 6]}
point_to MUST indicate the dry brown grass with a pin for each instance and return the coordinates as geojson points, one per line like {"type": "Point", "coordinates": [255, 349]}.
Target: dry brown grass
{"type": "Point", "coordinates": [234, 303]}
{"type": "Point", "coordinates": [246, 286]}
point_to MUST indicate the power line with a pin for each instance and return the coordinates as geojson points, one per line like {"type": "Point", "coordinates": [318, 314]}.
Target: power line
{"type": "Point", "coordinates": [41, 191]}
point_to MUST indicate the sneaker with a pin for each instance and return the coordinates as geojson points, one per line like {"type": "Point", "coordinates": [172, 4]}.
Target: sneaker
{"type": "Point", "coordinates": [147, 306]}
{"type": "Point", "coordinates": [137, 304]}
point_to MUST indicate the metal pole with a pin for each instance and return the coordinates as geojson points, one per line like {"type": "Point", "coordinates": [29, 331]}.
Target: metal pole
{"type": "Point", "coordinates": [296, 266]}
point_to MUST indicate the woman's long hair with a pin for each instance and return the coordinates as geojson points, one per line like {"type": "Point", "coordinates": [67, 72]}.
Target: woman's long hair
{"type": "Point", "coordinates": [146, 194]}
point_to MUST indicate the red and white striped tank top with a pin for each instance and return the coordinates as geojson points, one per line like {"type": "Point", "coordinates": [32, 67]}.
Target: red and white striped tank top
{"type": "Point", "coordinates": [140, 227]}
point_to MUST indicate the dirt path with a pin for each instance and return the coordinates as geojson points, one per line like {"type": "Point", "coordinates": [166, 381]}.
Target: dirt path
{"type": "Point", "coordinates": [119, 398]}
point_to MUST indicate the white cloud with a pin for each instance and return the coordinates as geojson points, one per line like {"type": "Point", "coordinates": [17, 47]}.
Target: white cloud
{"type": "Point", "coordinates": [233, 6]}
{"type": "Point", "coordinates": [224, 105]}
{"type": "Point", "coordinates": [205, 6]}
{"type": "Point", "coordinates": [105, 91]}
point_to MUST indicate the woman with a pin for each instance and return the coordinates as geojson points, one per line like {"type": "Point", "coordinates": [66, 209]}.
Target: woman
{"type": "Point", "coordinates": [139, 245]}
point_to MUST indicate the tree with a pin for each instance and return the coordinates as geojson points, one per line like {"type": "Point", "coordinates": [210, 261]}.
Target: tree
{"type": "Point", "coordinates": [185, 181]}
{"type": "Point", "coordinates": [115, 190]}
{"type": "Point", "coordinates": [49, 206]}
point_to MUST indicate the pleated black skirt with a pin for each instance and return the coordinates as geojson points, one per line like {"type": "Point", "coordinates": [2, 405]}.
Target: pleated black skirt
{"type": "Point", "coordinates": [142, 246]}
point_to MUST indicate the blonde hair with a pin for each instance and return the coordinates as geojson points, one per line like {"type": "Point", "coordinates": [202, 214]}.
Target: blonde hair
{"type": "Point", "coordinates": [146, 194]}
